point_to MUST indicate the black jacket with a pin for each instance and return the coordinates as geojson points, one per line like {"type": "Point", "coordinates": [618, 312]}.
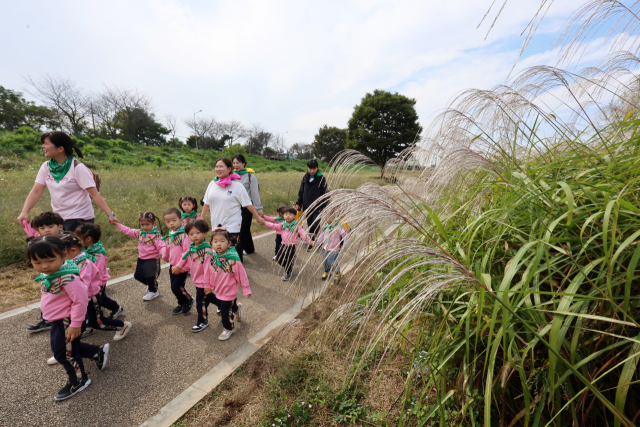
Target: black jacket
{"type": "Point", "coordinates": [311, 191]}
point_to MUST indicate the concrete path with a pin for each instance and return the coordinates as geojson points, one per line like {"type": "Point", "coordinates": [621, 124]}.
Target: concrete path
{"type": "Point", "coordinates": [159, 359]}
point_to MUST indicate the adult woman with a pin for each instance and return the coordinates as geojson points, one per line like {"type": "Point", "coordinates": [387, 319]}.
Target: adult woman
{"type": "Point", "coordinates": [250, 183]}
{"type": "Point", "coordinates": [70, 184]}
{"type": "Point", "coordinates": [312, 187]}
{"type": "Point", "coordinates": [225, 197]}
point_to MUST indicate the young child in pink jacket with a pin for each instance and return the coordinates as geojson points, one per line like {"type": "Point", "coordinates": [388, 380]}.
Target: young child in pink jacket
{"type": "Point", "coordinates": [332, 239]}
{"type": "Point", "coordinates": [226, 273]}
{"type": "Point", "coordinates": [149, 245]}
{"type": "Point", "coordinates": [277, 220]}
{"type": "Point", "coordinates": [197, 260]}
{"type": "Point", "coordinates": [291, 232]}
{"type": "Point", "coordinates": [176, 243]}
{"type": "Point", "coordinates": [64, 305]}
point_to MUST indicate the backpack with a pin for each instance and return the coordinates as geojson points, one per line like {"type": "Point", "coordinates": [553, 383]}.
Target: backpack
{"type": "Point", "coordinates": [95, 176]}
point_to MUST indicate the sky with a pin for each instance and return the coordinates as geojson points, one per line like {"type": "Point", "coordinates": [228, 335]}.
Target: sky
{"type": "Point", "coordinates": [291, 66]}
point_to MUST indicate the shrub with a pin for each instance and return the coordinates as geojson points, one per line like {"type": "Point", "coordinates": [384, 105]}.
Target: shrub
{"type": "Point", "coordinates": [282, 168]}
{"type": "Point", "coordinates": [102, 143]}
{"type": "Point", "coordinates": [118, 160]}
{"type": "Point", "coordinates": [90, 149]}
{"type": "Point", "coordinates": [121, 144]}
{"type": "Point", "coordinates": [149, 158]}
{"type": "Point", "coordinates": [160, 161]}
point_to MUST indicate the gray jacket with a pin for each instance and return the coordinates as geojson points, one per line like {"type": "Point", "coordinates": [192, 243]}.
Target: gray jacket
{"type": "Point", "coordinates": [250, 183]}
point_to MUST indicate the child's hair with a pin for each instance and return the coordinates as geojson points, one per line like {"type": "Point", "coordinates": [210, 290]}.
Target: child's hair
{"type": "Point", "coordinates": [45, 219]}
{"type": "Point", "coordinates": [150, 216]}
{"type": "Point", "coordinates": [198, 224]}
{"type": "Point", "coordinates": [86, 229]}
{"type": "Point", "coordinates": [172, 211]}
{"type": "Point", "coordinates": [281, 209]}
{"type": "Point", "coordinates": [70, 241]}
{"type": "Point", "coordinates": [188, 199]}
{"type": "Point", "coordinates": [45, 247]}
{"type": "Point", "coordinates": [290, 210]}
{"type": "Point", "coordinates": [221, 231]}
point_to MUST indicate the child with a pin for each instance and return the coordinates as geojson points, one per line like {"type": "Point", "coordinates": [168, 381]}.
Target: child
{"type": "Point", "coordinates": [291, 232]}
{"type": "Point", "coordinates": [197, 259]}
{"type": "Point", "coordinates": [332, 238]}
{"type": "Point", "coordinates": [92, 278]}
{"type": "Point", "coordinates": [226, 274]}
{"type": "Point", "coordinates": [177, 243]}
{"type": "Point", "coordinates": [45, 224]}
{"type": "Point", "coordinates": [64, 304]}
{"type": "Point", "coordinates": [89, 235]}
{"type": "Point", "coordinates": [189, 207]}
{"type": "Point", "coordinates": [149, 245]}
{"type": "Point", "coordinates": [277, 220]}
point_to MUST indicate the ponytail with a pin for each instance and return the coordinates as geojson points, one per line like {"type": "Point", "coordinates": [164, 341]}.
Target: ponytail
{"type": "Point", "coordinates": [61, 139]}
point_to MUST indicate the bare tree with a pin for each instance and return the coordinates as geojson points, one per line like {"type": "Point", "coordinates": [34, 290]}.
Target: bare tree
{"type": "Point", "coordinates": [278, 144]}
{"type": "Point", "coordinates": [172, 124]}
{"type": "Point", "coordinates": [122, 108]}
{"type": "Point", "coordinates": [203, 126]}
{"type": "Point", "coordinates": [234, 130]}
{"type": "Point", "coordinates": [63, 95]}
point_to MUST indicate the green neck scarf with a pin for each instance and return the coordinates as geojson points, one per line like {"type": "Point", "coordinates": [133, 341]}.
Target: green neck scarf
{"type": "Point", "coordinates": [173, 234]}
{"type": "Point", "coordinates": [154, 230]}
{"type": "Point", "coordinates": [59, 171]}
{"type": "Point", "coordinates": [69, 267]}
{"type": "Point", "coordinates": [82, 257]}
{"type": "Point", "coordinates": [96, 248]}
{"type": "Point", "coordinates": [194, 248]}
{"type": "Point", "coordinates": [191, 214]}
{"type": "Point", "coordinates": [231, 254]}
{"type": "Point", "coordinates": [327, 227]}
{"type": "Point", "coordinates": [279, 218]}
{"type": "Point", "coordinates": [292, 227]}
{"type": "Point", "coordinates": [242, 172]}
{"type": "Point", "coordinates": [317, 175]}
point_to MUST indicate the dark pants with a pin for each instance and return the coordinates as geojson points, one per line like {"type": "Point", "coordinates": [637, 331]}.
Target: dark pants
{"type": "Point", "coordinates": [147, 272]}
{"type": "Point", "coordinates": [202, 304]}
{"type": "Point", "coordinates": [278, 244]}
{"type": "Point", "coordinates": [95, 319]}
{"type": "Point", "coordinates": [313, 221]}
{"type": "Point", "coordinates": [287, 257]}
{"type": "Point", "coordinates": [106, 302]}
{"type": "Point", "coordinates": [177, 287]}
{"type": "Point", "coordinates": [246, 241]}
{"type": "Point", "coordinates": [70, 354]}
{"type": "Point", "coordinates": [227, 308]}
{"type": "Point", "coordinates": [72, 224]}
{"type": "Point", "coordinates": [330, 261]}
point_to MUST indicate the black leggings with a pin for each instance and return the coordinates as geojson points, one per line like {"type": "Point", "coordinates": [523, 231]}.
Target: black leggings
{"type": "Point", "coordinates": [287, 257]}
{"type": "Point", "coordinates": [202, 304]}
{"type": "Point", "coordinates": [227, 308]}
{"type": "Point", "coordinates": [246, 241]}
{"type": "Point", "coordinates": [70, 354]}
{"type": "Point", "coordinates": [71, 224]}
{"type": "Point", "coordinates": [177, 287]}
{"type": "Point", "coordinates": [147, 272]}
{"type": "Point", "coordinates": [95, 319]}
{"type": "Point", "coordinates": [106, 302]}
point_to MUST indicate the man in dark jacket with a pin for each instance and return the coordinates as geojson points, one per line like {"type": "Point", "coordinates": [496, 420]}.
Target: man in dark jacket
{"type": "Point", "coordinates": [312, 187]}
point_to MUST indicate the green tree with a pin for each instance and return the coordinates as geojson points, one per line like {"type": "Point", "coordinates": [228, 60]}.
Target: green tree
{"type": "Point", "coordinates": [206, 143]}
{"type": "Point", "coordinates": [383, 125]}
{"type": "Point", "coordinates": [15, 112]}
{"type": "Point", "coordinates": [328, 142]}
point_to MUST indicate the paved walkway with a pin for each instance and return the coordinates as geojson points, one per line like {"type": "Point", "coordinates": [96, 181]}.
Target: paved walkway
{"type": "Point", "coordinates": [159, 359]}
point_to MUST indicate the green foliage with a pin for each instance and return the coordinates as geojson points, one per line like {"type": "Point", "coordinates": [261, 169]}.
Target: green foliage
{"type": "Point", "coordinates": [233, 150]}
{"type": "Point", "coordinates": [328, 142]}
{"type": "Point", "coordinates": [16, 112]}
{"type": "Point", "coordinates": [160, 161]}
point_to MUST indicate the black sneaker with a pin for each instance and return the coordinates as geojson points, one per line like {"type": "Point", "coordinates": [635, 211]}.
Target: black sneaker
{"type": "Point", "coordinates": [115, 313]}
{"type": "Point", "coordinates": [86, 332]}
{"type": "Point", "coordinates": [39, 327]}
{"type": "Point", "coordinates": [199, 327]}
{"type": "Point", "coordinates": [178, 310]}
{"type": "Point", "coordinates": [101, 360]}
{"type": "Point", "coordinates": [70, 390]}
{"type": "Point", "coordinates": [186, 309]}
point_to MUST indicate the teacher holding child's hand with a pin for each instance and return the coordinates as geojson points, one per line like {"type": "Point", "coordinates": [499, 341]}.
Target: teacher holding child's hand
{"type": "Point", "coordinates": [70, 184]}
{"type": "Point", "coordinates": [225, 198]}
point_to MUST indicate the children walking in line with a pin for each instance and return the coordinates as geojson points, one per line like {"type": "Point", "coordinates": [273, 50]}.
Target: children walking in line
{"type": "Point", "coordinates": [277, 220]}
{"type": "Point", "coordinates": [176, 243]}
{"type": "Point", "coordinates": [149, 245]}
{"type": "Point", "coordinates": [197, 259]}
{"type": "Point", "coordinates": [290, 232]}
{"type": "Point", "coordinates": [89, 235]}
{"type": "Point", "coordinates": [227, 272]}
{"type": "Point", "coordinates": [64, 304]}
{"type": "Point", "coordinates": [189, 207]}
{"type": "Point", "coordinates": [91, 277]}
{"type": "Point", "coordinates": [332, 239]}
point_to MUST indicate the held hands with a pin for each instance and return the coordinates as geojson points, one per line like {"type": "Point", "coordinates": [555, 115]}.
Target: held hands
{"type": "Point", "coordinates": [113, 220]}
{"type": "Point", "coordinates": [23, 215]}
{"type": "Point", "coordinates": [260, 219]}
{"type": "Point", "coordinates": [72, 333]}
{"type": "Point", "coordinates": [176, 270]}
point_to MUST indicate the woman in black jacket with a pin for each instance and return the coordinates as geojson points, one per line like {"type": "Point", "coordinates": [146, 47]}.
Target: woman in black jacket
{"type": "Point", "coordinates": [312, 187]}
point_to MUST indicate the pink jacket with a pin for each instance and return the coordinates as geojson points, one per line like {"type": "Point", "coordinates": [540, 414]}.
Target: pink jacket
{"type": "Point", "coordinates": [289, 238]}
{"type": "Point", "coordinates": [149, 246]}
{"type": "Point", "coordinates": [173, 249]}
{"type": "Point", "coordinates": [101, 265]}
{"type": "Point", "coordinates": [199, 264]}
{"type": "Point", "coordinates": [90, 276]}
{"type": "Point", "coordinates": [67, 297]}
{"type": "Point", "coordinates": [272, 219]}
{"type": "Point", "coordinates": [225, 280]}
{"type": "Point", "coordinates": [331, 239]}
{"type": "Point", "coordinates": [31, 232]}
{"type": "Point", "coordinates": [185, 221]}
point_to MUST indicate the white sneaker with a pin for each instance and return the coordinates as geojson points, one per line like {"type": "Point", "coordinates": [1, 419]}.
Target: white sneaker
{"type": "Point", "coordinates": [122, 332]}
{"type": "Point", "coordinates": [225, 335]}
{"type": "Point", "coordinates": [244, 252]}
{"type": "Point", "coordinates": [52, 361]}
{"type": "Point", "coordinates": [240, 314]}
{"type": "Point", "coordinates": [150, 295]}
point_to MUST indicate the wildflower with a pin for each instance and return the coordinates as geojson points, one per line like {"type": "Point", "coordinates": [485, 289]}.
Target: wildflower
{"type": "Point", "coordinates": [309, 405]}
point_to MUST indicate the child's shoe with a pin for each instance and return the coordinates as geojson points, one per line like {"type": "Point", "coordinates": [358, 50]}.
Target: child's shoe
{"type": "Point", "coordinates": [286, 277]}
{"type": "Point", "coordinates": [103, 353]}
{"type": "Point", "coordinates": [115, 313]}
{"type": "Point", "coordinates": [275, 257]}
{"type": "Point", "coordinates": [39, 327]}
{"type": "Point", "coordinates": [337, 278]}
{"type": "Point", "coordinates": [218, 312]}
{"type": "Point", "coordinates": [186, 309]}
{"type": "Point", "coordinates": [52, 361]}
{"type": "Point", "coordinates": [122, 332]}
{"type": "Point", "coordinates": [150, 295]}
{"type": "Point", "coordinates": [225, 335]}
{"type": "Point", "coordinates": [70, 390]}
{"type": "Point", "coordinates": [199, 327]}
{"type": "Point", "coordinates": [86, 332]}
{"type": "Point", "coordinates": [325, 275]}
{"type": "Point", "coordinates": [177, 310]}
{"type": "Point", "coordinates": [240, 314]}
